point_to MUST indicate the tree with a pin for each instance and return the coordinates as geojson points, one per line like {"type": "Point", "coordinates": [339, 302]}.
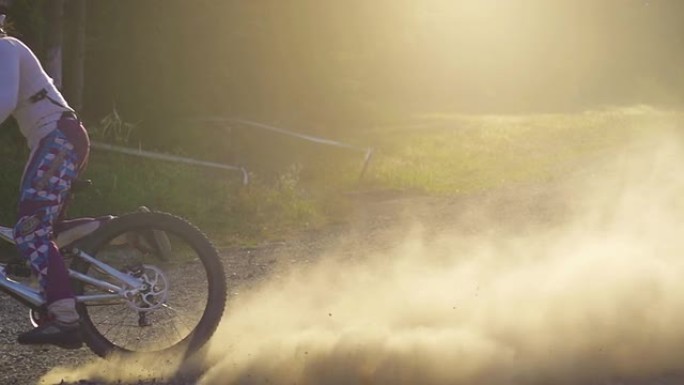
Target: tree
{"type": "Point", "coordinates": [77, 52]}
{"type": "Point", "coordinates": [53, 61]}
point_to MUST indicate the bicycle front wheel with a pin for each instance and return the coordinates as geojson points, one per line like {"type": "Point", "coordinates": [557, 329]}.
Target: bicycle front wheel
{"type": "Point", "coordinates": [184, 290]}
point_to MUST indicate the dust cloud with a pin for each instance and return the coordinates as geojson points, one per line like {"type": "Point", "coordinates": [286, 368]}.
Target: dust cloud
{"type": "Point", "coordinates": [599, 299]}
{"type": "Point", "coordinates": [115, 369]}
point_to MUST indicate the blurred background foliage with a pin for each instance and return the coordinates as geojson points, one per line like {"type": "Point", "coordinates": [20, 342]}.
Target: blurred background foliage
{"type": "Point", "coordinates": [333, 68]}
{"type": "Point", "coordinates": [370, 73]}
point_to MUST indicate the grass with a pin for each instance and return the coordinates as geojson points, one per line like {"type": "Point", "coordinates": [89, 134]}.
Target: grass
{"type": "Point", "coordinates": [452, 154]}
{"type": "Point", "coordinates": [297, 186]}
{"type": "Point", "coordinates": [215, 200]}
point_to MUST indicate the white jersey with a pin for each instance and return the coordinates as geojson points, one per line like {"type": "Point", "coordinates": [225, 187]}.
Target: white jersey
{"type": "Point", "coordinates": [21, 77]}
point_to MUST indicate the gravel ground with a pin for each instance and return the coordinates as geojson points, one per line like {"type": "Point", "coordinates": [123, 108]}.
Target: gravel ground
{"type": "Point", "coordinates": [245, 267]}
{"type": "Point", "coordinates": [377, 217]}
{"type": "Point", "coordinates": [24, 365]}
{"type": "Point", "coordinates": [374, 223]}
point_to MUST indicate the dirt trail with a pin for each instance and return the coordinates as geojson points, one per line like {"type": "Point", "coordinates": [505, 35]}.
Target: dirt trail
{"type": "Point", "coordinates": [507, 287]}
{"type": "Point", "coordinates": [377, 218]}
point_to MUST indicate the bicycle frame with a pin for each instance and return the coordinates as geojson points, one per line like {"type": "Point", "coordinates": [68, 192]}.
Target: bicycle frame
{"type": "Point", "coordinates": [126, 286]}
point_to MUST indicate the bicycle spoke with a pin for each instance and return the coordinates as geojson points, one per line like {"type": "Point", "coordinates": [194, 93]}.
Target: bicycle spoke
{"type": "Point", "coordinates": [122, 318]}
{"type": "Point", "coordinates": [121, 329]}
{"type": "Point", "coordinates": [124, 325]}
{"type": "Point", "coordinates": [175, 296]}
{"type": "Point", "coordinates": [140, 339]}
{"type": "Point", "coordinates": [180, 336]}
{"type": "Point", "coordinates": [178, 315]}
{"type": "Point", "coordinates": [104, 319]}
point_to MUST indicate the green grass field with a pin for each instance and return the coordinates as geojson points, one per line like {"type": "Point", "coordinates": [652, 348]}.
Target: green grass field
{"type": "Point", "coordinates": [452, 154]}
{"type": "Point", "coordinates": [300, 185]}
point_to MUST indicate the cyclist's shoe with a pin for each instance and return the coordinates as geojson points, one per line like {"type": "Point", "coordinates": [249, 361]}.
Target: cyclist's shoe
{"type": "Point", "coordinates": [53, 332]}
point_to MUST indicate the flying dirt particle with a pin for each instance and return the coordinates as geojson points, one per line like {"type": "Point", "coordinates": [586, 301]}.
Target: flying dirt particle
{"type": "Point", "coordinates": [598, 299]}
{"type": "Point", "coordinates": [595, 299]}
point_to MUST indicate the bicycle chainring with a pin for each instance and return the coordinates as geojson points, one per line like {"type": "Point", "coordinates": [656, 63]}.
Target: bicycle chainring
{"type": "Point", "coordinates": [154, 290]}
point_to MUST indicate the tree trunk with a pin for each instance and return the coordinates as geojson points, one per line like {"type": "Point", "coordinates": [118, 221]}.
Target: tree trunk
{"type": "Point", "coordinates": [5, 3]}
{"type": "Point", "coordinates": [77, 54]}
{"type": "Point", "coordinates": [53, 60]}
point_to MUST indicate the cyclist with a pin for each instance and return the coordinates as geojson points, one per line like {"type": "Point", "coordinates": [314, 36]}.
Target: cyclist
{"type": "Point", "coordinates": [59, 149]}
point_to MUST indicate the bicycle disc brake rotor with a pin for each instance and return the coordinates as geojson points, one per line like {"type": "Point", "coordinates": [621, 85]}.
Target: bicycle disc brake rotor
{"type": "Point", "coordinates": [153, 292]}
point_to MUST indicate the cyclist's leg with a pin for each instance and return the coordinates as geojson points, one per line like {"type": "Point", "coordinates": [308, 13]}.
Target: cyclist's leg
{"type": "Point", "coordinates": [53, 166]}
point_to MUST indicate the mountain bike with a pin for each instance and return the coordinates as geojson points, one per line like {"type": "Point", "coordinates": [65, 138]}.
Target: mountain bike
{"type": "Point", "coordinates": [145, 282]}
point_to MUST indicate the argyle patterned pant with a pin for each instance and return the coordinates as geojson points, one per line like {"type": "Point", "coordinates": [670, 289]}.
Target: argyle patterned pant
{"type": "Point", "coordinates": [54, 164]}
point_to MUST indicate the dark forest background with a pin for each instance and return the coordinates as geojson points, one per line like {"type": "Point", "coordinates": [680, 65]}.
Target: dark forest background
{"type": "Point", "coordinates": [394, 75]}
{"type": "Point", "coordinates": [333, 68]}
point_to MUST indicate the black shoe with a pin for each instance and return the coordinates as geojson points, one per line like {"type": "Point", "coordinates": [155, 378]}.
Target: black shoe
{"type": "Point", "coordinates": [64, 335]}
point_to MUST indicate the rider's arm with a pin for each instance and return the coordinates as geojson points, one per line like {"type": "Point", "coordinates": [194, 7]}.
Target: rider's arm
{"type": "Point", "coordinates": [9, 78]}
